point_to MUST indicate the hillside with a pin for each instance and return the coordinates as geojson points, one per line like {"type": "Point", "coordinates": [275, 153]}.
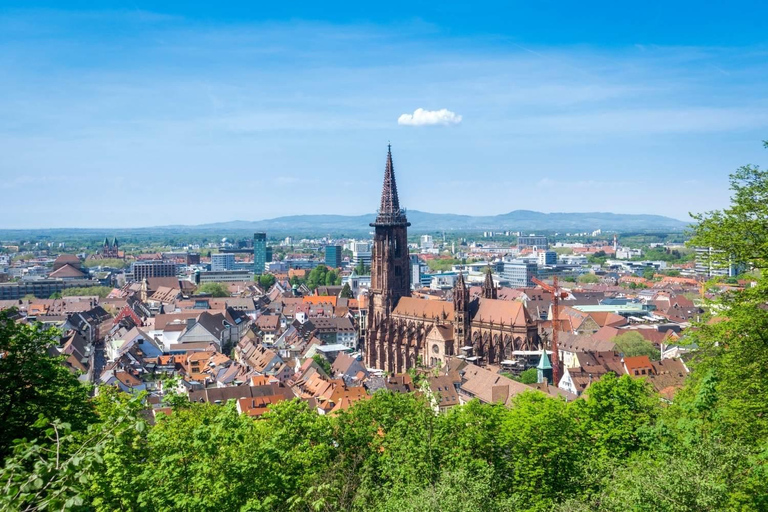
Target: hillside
{"type": "Point", "coordinates": [517, 220]}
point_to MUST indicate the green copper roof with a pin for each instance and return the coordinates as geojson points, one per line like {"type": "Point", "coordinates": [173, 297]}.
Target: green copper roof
{"type": "Point", "coordinates": [544, 363]}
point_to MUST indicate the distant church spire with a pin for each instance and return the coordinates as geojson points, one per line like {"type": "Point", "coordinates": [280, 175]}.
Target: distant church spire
{"type": "Point", "coordinates": [389, 210]}
{"type": "Point", "coordinates": [489, 289]}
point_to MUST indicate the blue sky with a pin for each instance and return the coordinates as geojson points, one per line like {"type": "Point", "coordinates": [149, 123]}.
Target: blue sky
{"type": "Point", "coordinates": [138, 114]}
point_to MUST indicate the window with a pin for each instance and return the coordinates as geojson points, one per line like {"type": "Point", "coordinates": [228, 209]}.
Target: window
{"type": "Point", "coordinates": [435, 349]}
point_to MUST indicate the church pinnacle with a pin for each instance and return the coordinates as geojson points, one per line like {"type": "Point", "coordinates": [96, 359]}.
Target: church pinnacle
{"type": "Point", "coordinates": [489, 289]}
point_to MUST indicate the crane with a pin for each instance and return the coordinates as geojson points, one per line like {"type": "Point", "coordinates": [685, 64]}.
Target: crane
{"type": "Point", "coordinates": [557, 294]}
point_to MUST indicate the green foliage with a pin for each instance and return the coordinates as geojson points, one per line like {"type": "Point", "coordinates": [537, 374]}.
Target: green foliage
{"type": "Point", "coordinates": [322, 276]}
{"type": "Point", "coordinates": [213, 289]}
{"type": "Point", "coordinates": [665, 254]}
{"type": "Point", "coordinates": [33, 383]}
{"type": "Point", "coordinates": [346, 292]}
{"type": "Point", "coordinates": [598, 258]}
{"type": "Point", "coordinates": [106, 262]}
{"type": "Point", "coordinates": [529, 376]}
{"type": "Point", "coordinates": [632, 343]}
{"type": "Point", "coordinates": [322, 362]}
{"type": "Point", "coordinates": [740, 231]}
{"type": "Point", "coordinates": [649, 273]}
{"type": "Point", "coordinates": [86, 291]}
{"type": "Point", "coordinates": [588, 279]}
{"type": "Point", "coordinates": [267, 280]}
{"type": "Point", "coordinates": [442, 264]}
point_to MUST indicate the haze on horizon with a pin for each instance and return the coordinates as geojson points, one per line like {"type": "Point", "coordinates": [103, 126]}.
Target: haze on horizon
{"type": "Point", "coordinates": [184, 113]}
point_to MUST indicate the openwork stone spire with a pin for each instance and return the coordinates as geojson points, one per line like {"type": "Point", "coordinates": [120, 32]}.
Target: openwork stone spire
{"type": "Point", "coordinates": [390, 212]}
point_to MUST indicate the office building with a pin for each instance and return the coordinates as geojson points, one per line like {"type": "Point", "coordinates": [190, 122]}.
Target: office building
{"type": "Point", "coordinates": [418, 272]}
{"type": "Point", "coordinates": [546, 258]}
{"type": "Point", "coordinates": [141, 270]}
{"type": "Point", "coordinates": [519, 273]}
{"type": "Point", "coordinates": [361, 253]}
{"type": "Point", "coordinates": [40, 288]}
{"type": "Point", "coordinates": [532, 241]}
{"type": "Point", "coordinates": [225, 276]}
{"type": "Point", "coordinates": [333, 256]}
{"type": "Point", "coordinates": [709, 263]}
{"type": "Point", "coordinates": [259, 253]}
{"type": "Point", "coordinates": [222, 261]}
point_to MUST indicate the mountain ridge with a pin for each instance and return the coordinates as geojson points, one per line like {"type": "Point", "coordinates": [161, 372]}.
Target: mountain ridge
{"type": "Point", "coordinates": [515, 220]}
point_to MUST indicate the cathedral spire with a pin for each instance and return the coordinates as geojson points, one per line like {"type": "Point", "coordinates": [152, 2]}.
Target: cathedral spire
{"type": "Point", "coordinates": [489, 289]}
{"type": "Point", "coordinates": [389, 210]}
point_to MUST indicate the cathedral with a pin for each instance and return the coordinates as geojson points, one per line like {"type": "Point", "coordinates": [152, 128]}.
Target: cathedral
{"type": "Point", "coordinates": [404, 332]}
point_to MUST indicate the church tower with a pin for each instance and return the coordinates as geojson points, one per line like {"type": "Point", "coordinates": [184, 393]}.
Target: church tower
{"type": "Point", "coordinates": [390, 262]}
{"type": "Point", "coordinates": [460, 314]}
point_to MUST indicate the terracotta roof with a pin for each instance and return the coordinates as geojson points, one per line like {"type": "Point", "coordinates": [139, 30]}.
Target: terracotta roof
{"type": "Point", "coordinates": [321, 299]}
{"type": "Point", "coordinates": [67, 271]}
{"type": "Point", "coordinates": [422, 308]}
{"type": "Point", "coordinates": [442, 386]}
{"type": "Point", "coordinates": [490, 387]}
{"type": "Point", "coordinates": [268, 322]}
{"type": "Point", "coordinates": [584, 343]}
{"type": "Point", "coordinates": [638, 365]}
{"type": "Point", "coordinates": [498, 311]}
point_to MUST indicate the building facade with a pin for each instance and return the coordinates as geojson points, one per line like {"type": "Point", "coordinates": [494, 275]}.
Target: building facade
{"type": "Point", "coordinates": [538, 241]}
{"type": "Point", "coordinates": [222, 261]}
{"type": "Point", "coordinates": [333, 256]}
{"type": "Point", "coordinates": [154, 268]}
{"type": "Point", "coordinates": [404, 332]}
{"type": "Point", "coordinates": [259, 253]}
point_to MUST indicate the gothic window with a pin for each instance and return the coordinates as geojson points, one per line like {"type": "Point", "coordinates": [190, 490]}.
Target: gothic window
{"type": "Point", "coordinates": [435, 349]}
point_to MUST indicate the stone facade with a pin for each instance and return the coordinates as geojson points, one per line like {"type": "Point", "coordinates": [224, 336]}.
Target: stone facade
{"type": "Point", "coordinates": [404, 332]}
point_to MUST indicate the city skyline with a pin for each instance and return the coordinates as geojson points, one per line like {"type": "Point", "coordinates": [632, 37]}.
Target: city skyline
{"type": "Point", "coordinates": [195, 114]}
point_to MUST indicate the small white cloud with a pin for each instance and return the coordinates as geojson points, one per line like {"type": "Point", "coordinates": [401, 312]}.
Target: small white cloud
{"type": "Point", "coordinates": [421, 117]}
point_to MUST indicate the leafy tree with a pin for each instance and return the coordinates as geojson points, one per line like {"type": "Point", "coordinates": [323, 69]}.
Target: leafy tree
{"type": "Point", "coordinates": [322, 276]}
{"type": "Point", "coordinates": [86, 291]}
{"type": "Point", "coordinates": [106, 262]}
{"type": "Point", "coordinates": [34, 383]}
{"type": "Point", "coordinates": [346, 292]}
{"type": "Point", "coordinates": [649, 273]}
{"type": "Point", "coordinates": [213, 289]}
{"type": "Point", "coordinates": [588, 278]}
{"type": "Point", "coordinates": [740, 231]}
{"type": "Point", "coordinates": [529, 376]}
{"type": "Point", "coordinates": [442, 264]}
{"type": "Point", "coordinates": [322, 362]}
{"type": "Point", "coordinates": [598, 258]}
{"type": "Point", "coordinates": [267, 280]}
{"type": "Point", "coordinates": [632, 343]}
{"type": "Point", "coordinates": [616, 416]}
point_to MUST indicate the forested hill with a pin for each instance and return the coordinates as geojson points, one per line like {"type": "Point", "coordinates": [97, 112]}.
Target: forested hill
{"type": "Point", "coordinates": [517, 220]}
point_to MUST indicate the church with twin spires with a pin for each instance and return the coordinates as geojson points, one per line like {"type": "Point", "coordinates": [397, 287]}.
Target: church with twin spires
{"type": "Point", "coordinates": [404, 332]}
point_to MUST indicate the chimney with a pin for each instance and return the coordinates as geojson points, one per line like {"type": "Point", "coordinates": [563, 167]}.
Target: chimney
{"type": "Point", "coordinates": [191, 322]}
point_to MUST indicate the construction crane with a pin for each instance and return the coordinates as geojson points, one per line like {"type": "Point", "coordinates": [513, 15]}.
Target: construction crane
{"type": "Point", "coordinates": [557, 294]}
